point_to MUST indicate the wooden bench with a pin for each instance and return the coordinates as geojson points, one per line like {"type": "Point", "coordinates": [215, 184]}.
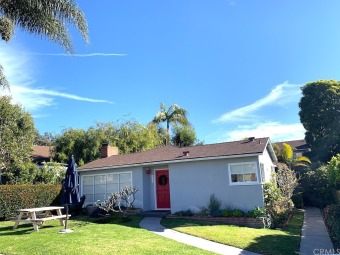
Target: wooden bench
{"type": "Point", "coordinates": [54, 217]}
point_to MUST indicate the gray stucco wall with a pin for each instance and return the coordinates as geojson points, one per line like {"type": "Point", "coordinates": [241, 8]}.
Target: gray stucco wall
{"type": "Point", "coordinates": [268, 164]}
{"type": "Point", "coordinates": [192, 183]}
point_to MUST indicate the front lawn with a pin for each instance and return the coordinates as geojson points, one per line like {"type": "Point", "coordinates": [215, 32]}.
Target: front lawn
{"type": "Point", "coordinates": [264, 241]}
{"type": "Point", "coordinates": [89, 237]}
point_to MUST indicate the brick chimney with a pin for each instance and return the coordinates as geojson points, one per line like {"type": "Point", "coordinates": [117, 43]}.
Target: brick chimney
{"type": "Point", "coordinates": [107, 150]}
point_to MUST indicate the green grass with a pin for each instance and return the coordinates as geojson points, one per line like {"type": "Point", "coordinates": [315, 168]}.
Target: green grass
{"type": "Point", "coordinates": [89, 237]}
{"type": "Point", "coordinates": [264, 241]}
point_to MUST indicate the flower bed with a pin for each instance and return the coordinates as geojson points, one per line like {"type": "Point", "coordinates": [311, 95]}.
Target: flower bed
{"type": "Point", "coordinates": [239, 221]}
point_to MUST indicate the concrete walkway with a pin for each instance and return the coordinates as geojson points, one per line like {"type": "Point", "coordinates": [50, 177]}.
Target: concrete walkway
{"type": "Point", "coordinates": [315, 238]}
{"type": "Point", "coordinates": [153, 224]}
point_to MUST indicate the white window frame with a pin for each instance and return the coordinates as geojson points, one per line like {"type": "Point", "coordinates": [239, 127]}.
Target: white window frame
{"type": "Point", "coordinates": [106, 174]}
{"type": "Point", "coordinates": [244, 183]}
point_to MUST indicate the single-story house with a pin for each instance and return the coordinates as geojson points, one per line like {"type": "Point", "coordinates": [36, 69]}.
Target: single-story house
{"type": "Point", "coordinates": [42, 154]}
{"type": "Point", "coordinates": [173, 178]}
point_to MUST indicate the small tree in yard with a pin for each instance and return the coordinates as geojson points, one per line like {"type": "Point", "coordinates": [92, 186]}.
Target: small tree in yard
{"type": "Point", "coordinates": [278, 194]}
{"type": "Point", "coordinates": [120, 201]}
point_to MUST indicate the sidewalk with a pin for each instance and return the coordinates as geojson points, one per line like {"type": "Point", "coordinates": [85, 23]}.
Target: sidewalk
{"type": "Point", "coordinates": [153, 224]}
{"type": "Point", "coordinates": [315, 239]}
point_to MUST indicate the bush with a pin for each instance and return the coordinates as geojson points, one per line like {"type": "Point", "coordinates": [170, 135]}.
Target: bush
{"type": "Point", "coordinates": [204, 211]}
{"type": "Point", "coordinates": [257, 212]}
{"type": "Point", "coordinates": [317, 190]}
{"type": "Point", "coordinates": [213, 205]}
{"type": "Point", "coordinates": [184, 213]}
{"type": "Point", "coordinates": [332, 220]}
{"type": "Point", "coordinates": [297, 199]}
{"type": "Point", "coordinates": [15, 197]}
{"type": "Point", "coordinates": [238, 213]}
{"type": "Point", "coordinates": [227, 212]}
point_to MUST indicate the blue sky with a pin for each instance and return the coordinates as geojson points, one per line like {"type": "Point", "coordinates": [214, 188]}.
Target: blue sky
{"type": "Point", "coordinates": [235, 65]}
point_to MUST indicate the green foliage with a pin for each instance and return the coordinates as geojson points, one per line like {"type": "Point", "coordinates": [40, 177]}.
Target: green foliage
{"type": "Point", "coordinates": [238, 213]}
{"type": "Point", "coordinates": [320, 116]}
{"type": "Point", "coordinates": [47, 139]}
{"type": "Point", "coordinates": [333, 168]}
{"type": "Point", "coordinates": [14, 197]}
{"type": "Point", "coordinates": [226, 212]}
{"type": "Point", "coordinates": [3, 81]}
{"type": "Point", "coordinates": [174, 115]}
{"type": "Point", "coordinates": [286, 155]}
{"type": "Point", "coordinates": [184, 136]}
{"type": "Point", "coordinates": [44, 18]}
{"type": "Point", "coordinates": [21, 173]}
{"type": "Point", "coordinates": [277, 196]}
{"type": "Point", "coordinates": [16, 138]}
{"type": "Point", "coordinates": [317, 190]}
{"type": "Point", "coordinates": [184, 213]}
{"type": "Point", "coordinates": [332, 220]}
{"type": "Point", "coordinates": [214, 204]}
{"type": "Point", "coordinates": [204, 211]}
{"type": "Point", "coordinates": [50, 173]}
{"type": "Point", "coordinates": [257, 212]}
{"type": "Point", "coordinates": [297, 199]}
{"type": "Point", "coordinates": [85, 145]}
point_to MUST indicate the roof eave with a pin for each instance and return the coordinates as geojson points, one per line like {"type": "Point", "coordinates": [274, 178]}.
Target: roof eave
{"type": "Point", "coordinates": [170, 161]}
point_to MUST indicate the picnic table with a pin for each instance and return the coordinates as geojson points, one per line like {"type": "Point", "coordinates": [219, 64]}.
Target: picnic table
{"type": "Point", "coordinates": [37, 216]}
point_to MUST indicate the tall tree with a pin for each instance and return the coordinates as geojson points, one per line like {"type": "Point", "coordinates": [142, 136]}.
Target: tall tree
{"type": "Point", "coordinates": [42, 18]}
{"type": "Point", "coordinates": [184, 136]}
{"type": "Point", "coordinates": [320, 116]}
{"type": "Point", "coordinates": [129, 136]}
{"type": "Point", "coordinates": [17, 134]}
{"type": "Point", "coordinates": [174, 115]}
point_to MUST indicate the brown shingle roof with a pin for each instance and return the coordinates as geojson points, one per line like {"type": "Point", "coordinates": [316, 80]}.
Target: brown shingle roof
{"type": "Point", "coordinates": [296, 144]}
{"type": "Point", "coordinates": [42, 151]}
{"type": "Point", "coordinates": [172, 153]}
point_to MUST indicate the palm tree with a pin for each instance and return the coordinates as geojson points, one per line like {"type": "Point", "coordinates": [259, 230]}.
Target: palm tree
{"type": "Point", "coordinates": [173, 116]}
{"type": "Point", "coordinates": [44, 18]}
{"type": "Point", "coordinates": [286, 155]}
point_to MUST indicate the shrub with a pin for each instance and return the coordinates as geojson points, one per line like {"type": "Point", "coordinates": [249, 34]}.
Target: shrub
{"type": "Point", "coordinates": [257, 212]}
{"type": "Point", "coordinates": [214, 204]}
{"type": "Point", "coordinates": [184, 213]}
{"type": "Point", "coordinates": [204, 211]}
{"type": "Point", "coordinates": [15, 197]}
{"type": "Point", "coordinates": [227, 212]}
{"type": "Point", "coordinates": [332, 220]}
{"type": "Point", "coordinates": [238, 213]}
{"type": "Point", "coordinates": [297, 199]}
{"type": "Point", "coordinates": [317, 190]}
{"type": "Point", "coordinates": [278, 194]}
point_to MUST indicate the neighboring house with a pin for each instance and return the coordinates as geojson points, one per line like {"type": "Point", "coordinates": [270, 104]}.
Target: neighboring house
{"type": "Point", "coordinates": [299, 146]}
{"type": "Point", "coordinates": [172, 178]}
{"type": "Point", "coordinates": [41, 154]}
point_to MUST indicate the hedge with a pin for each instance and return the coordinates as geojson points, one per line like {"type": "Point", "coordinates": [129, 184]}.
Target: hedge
{"type": "Point", "coordinates": [14, 197]}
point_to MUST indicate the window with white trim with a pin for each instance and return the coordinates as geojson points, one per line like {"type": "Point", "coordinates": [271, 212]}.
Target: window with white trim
{"type": "Point", "coordinates": [243, 173]}
{"type": "Point", "coordinates": [99, 187]}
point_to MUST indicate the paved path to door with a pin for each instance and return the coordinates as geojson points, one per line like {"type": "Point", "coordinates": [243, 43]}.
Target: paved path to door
{"type": "Point", "coordinates": [153, 224]}
{"type": "Point", "coordinates": [315, 238]}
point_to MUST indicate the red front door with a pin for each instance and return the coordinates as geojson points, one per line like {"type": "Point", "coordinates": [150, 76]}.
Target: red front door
{"type": "Point", "coordinates": [163, 189]}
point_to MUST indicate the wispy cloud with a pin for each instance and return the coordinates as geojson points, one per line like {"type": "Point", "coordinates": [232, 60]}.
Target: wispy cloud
{"type": "Point", "coordinates": [281, 95]}
{"type": "Point", "coordinates": [97, 54]}
{"type": "Point", "coordinates": [17, 68]}
{"type": "Point", "coordinates": [275, 130]}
